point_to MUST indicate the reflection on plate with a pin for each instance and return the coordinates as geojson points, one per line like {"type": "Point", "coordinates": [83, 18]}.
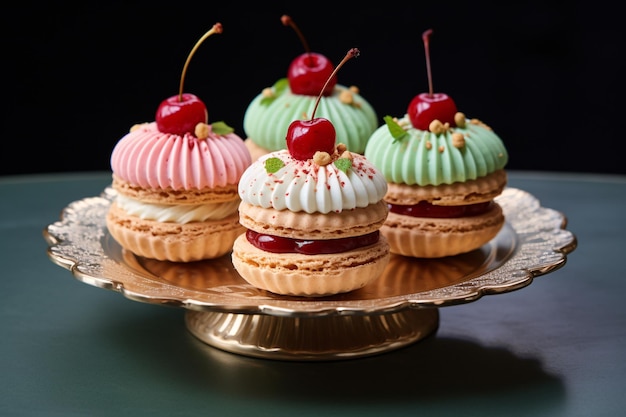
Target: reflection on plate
{"type": "Point", "coordinates": [533, 242]}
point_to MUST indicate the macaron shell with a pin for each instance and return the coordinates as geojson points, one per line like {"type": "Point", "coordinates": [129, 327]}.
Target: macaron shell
{"type": "Point", "coordinates": [301, 225]}
{"type": "Point", "coordinates": [173, 241]}
{"type": "Point", "coordinates": [423, 237]}
{"type": "Point", "coordinates": [170, 196]}
{"type": "Point", "coordinates": [469, 192]}
{"type": "Point", "coordinates": [309, 275]}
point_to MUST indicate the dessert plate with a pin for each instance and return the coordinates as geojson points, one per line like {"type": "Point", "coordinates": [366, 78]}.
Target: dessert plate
{"type": "Point", "coordinates": [399, 308]}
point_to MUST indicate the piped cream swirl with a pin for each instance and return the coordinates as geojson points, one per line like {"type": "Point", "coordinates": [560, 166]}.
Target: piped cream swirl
{"type": "Point", "coordinates": [306, 186]}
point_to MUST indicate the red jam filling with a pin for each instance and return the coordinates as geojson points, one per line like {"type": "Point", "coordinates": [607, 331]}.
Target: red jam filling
{"type": "Point", "coordinates": [425, 209]}
{"type": "Point", "coordinates": [276, 244]}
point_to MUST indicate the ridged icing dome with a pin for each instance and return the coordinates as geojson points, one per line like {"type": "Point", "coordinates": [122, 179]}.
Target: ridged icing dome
{"type": "Point", "coordinates": [306, 186]}
{"type": "Point", "coordinates": [267, 118]}
{"type": "Point", "coordinates": [425, 158]}
{"type": "Point", "coordinates": [151, 159]}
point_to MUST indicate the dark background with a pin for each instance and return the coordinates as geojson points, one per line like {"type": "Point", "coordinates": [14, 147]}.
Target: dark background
{"type": "Point", "coordinates": [546, 75]}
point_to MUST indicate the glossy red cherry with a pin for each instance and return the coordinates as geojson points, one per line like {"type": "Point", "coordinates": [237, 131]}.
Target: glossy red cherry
{"type": "Point", "coordinates": [426, 107]}
{"type": "Point", "coordinates": [181, 113]}
{"type": "Point", "coordinates": [309, 72]}
{"type": "Point", "coordinates": [305, 137]}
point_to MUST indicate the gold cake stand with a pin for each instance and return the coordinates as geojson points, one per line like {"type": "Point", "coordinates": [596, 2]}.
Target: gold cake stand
{"type": "Point", "coordinates": [399, 308]}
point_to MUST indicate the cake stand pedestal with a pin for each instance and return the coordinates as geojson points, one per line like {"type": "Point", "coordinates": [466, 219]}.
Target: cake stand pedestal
{"type": "Point", "coordinates": [312, 338]}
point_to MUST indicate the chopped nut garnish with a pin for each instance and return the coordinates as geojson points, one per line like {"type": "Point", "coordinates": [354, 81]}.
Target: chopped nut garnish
{"type": "Point", "coordinates": [404, 123]}
{"type": "Point", "coordinates": [354, 89]}
{"type": "Point", "coordinates": [480, 123]}
{"type": "Point", "coordinates": [441, 149]}
{"type": "Point", "coordinates": [202, 130]}
{"type": "Point", "coordinates": [341, 148]}
{"type": "Point", "coordinates": [436, 127]}
{"type": "Point", "coordinates": [347, 155]}
{"type": "Point", "coordinates": [137, 126]}
{"type": "Point", "coordinates": [346, 97]}
{"type": "Point", "coordinates": [429, 145]}
{"type": "Point", "coordinates": [459, 119]}
{"type": "Point", "coordinates": [458, 140]}
{"type": "Point", "coordinates": [322, 158]}
{"type": "Point", "coordinates": [267, 92]}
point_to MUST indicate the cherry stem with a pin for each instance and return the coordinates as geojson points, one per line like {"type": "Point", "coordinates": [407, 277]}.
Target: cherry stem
{"type": "Point", "coordinates": [352, 53]}
{"type": "Point", "coordinates": [426, 40]}
{"type": "Point", "coordinates": [217, 28]}
{"type": "Point", "coordinates": [287, 21]}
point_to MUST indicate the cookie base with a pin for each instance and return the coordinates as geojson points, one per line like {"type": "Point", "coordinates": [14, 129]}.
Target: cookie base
{"type": "Point", "coordinates": [422, 237]}
{"type": "Point", "coordinates": [309, 275]}
{"type": "Point", "coordinates": [173, 241]}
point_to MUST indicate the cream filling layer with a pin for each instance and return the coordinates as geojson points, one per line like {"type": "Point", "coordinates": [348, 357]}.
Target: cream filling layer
{"type": "Point", "coordinates": [177, 213]}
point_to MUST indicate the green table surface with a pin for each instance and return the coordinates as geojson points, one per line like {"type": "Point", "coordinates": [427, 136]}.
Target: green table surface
{"type": "Point", "coordinates": [554, 348]}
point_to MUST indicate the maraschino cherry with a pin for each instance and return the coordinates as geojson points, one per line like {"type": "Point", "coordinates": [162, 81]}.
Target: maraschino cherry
{"type": "Point", "coordinates": [181, 113]}
{"type": "Point", "coordinates": [309, 72]}
{"type": "Point", "coordinates": [305, 137]}
{"type": "Point", "coordinates": [426, 107]}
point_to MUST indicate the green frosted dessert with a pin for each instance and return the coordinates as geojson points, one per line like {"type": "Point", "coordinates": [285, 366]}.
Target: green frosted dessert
{"type": "Point", "coordinates": [413, 156]}
{"type": "Point", "coordinates": [309, 76]}
{"type": "Point", "coordinates": [444, 173]}
{"type": "Point", "coordinates": [269, 114]}
{"type": "Point", "coordinates": [443, 181]}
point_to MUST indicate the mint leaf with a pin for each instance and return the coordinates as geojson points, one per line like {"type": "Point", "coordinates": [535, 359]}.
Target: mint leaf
{"type": "Point", "coordinates": [278, 88]}
{"type": "Point", "coordinates": [221, 128]}
{"type": "Point", "coordinates": [344, 164]}
{"type": "Point", "coordinates": [273, 164]}
{"type": "Point", "coordinates": [395, 129]}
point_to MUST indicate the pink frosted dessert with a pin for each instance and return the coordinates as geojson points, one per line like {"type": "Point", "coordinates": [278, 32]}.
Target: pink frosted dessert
{"type": "Point", "coordinates": [176, 182]}
{"type": "Point", "coordinates": [177, 196]}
